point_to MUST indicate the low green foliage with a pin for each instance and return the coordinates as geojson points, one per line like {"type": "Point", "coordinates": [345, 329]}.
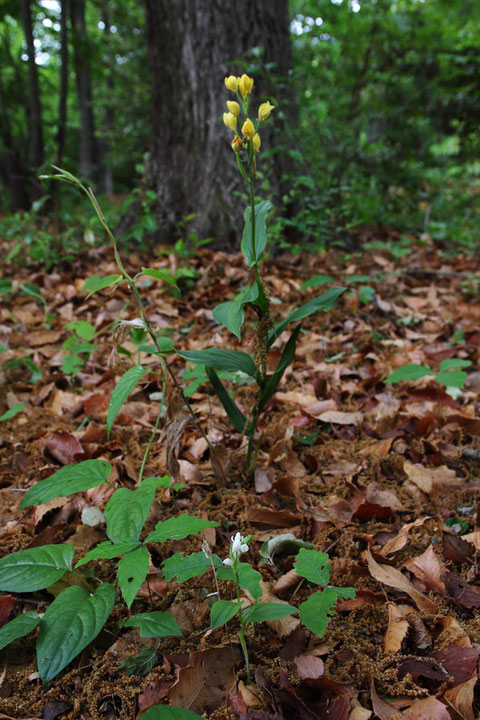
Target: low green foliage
{"type": "Point", "coordinates": [449, 373]}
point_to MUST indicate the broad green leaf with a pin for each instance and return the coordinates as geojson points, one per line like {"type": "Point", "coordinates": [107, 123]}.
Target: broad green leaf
{"type": "Point", "coordinates": [107, 550]}
{"type": "Point", "coordinates": [316, 281]}
{"type": "Point", "coordinates": [230, 314]}
{"type": "Point", "coordinates": [248, 578]}
{"type": "Point", "coordinates": [5, 286]}
{"type": "Point", "coordinates": [222, 611]}
{"type": "Point", "coordinates": [453, 363]}
{"type": "Point", "coordinates": [286, 359]}
{"type": "Point", "coordinates": [12, 412]}
{"type": "Point", "coordinates": [221, 359]}
{"type": "Point", "coordinates": [68, 480]}
{"type": "Point", "coordinates": [31, 289]}
{"type": "Point", "coordinates": [154, 624]}
{"type": "Point", "coordinates": [313, 565]}
{"type": "Point", "coordinates": [324, 302]}
{"type": "Point", "coordinates": [261, 612]}
{"type": "Point", "coordinates": [318, 610]}
{"type": "Point", "coordinates": [161, 274]}
{"type": "Point", "coordinates": [234, 414]}
{"type": "Point", "coordinates": [453, 378]}
{"type": "Point", "coordinates": [127, 511]}
{"type": "Point", "coordinates": [95, 283]}
{"type": "Point", "coordinates": [36, 568]}
{"type": "Point", "coordinates": [177, 528]}
{"type": "Point", "coordinates": [261, 210]}
{"type": "Point", "coordinates": [247, 294]}
{"type": "Point", "coordinates": [286, 542]}
{"type": "Point", "coordinates": [168, 712]}
{"type": "Point", "coordinates": [409, 372]}
{"type": "Point", "coordinates": [343, 593]}
{"type": "Point", "coordinates": [82, 328]}
{"type": "Point", "coordinates": [140, 664]}
{"type": "Point", "coordinates": [70, 623]}
{"type": "Point", "coordinates": [121, 392]}
{"type": "Point", "coordinates": [131, 572]}
{"type": "Point", "coordinates": [184, 568]}
{"type": "Point", "coordinates": [19, 627]}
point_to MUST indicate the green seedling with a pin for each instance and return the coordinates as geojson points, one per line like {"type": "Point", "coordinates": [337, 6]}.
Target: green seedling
{"type": "Point", "coordinates": [78, 347]}
{"type": "Point", "coordinates": [449, 374]}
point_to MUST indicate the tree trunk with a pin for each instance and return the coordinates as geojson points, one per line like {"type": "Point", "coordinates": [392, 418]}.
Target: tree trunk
{"type": "Point", "coordinates": [63, 89]}
{"type": "Point", "coordinates": [105, 179]}
{"type": "Point", "coordinates": [35, 108]}
{"type": "Point", "coordinates": [193, 45]}
{"type": "Point", "coordinates": [81, 59]}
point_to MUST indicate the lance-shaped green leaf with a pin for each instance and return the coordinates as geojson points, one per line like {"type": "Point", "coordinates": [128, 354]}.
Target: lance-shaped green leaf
{"type": "Point", "coordinates": [234, 414]}
{"type": "Point", "coordinates": [248, 578]}
{"type": "Point", "coordinates": [261, 612]}
{"type": "Point", "coordinates": [261, 210]}
{"type": "Point", "coordinates": [409, 372]}
{"type": "Point", "coordinates": [184, 568]}
{"type": "Point", "coordinates": [19, 627]}
{"type": "Point", "coordinates": [313, 565]}
{"type": "Point", "coordinates": [222, 611]}
{"type": "Point", "coordinates": [107, 550]}
{"type": "Point", "coordinates": [12, 412]}
{"type": "Point", "coordinates": [318, 610]}
{"type": "Point", "coordinates": [121, 392]}
{"type": "Point", "coordinates": [154, 624]}
{"type": "Point", "coordinates": [232, 315]}
{"type": "Point", "coordinates": [177, 528]}
{"type": "Point", "coordinates": [160, 274]}
{"type": "Point", "coordinates": [324, 302]}
{"type": "Point", "coordinates": [168, 712]}
{"type": "Point", "coordinates": [316, 281]}
{"type": "Point", "coordinates": [127, 511]}
{"type": "Point", "coordinates": [95, 283]}
{"type": "Point", "coordinates": [221, 359]}
{"type": "Point", "coordinates": [131, 572]}
{"type": "Point", "coordinates": [68, 480]}
{"type": "Point", "coordinates": [70, 623]}
{"type": "Point", "coordinates": [286, 359]}
{"type": "Point", "coordinates": [35, 568]}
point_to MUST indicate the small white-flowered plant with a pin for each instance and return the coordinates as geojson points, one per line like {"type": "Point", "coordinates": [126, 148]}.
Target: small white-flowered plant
{"type": "Point", "coordinates": [238, 545]}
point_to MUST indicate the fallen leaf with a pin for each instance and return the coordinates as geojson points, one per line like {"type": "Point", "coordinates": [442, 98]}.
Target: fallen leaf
{"type": "Point", "coordinates": [6, 606]}
{"type": "Point", "coordinates": [393, 578]}
{"type": "Point", "coordinates": [427, 568]}
{"type": "Point", "coordinates": [428, 709]}
{"type": "Point", "coordinates": [400, 540]}
{"type": "Point", "coordinates": [309, 666]}
{"type": "Point", "coordinates": [384, 710]}
{"type": "Point", "coordinates": [430, 479]}
{"type": "Point", "coordinates": [341, 418]}
{"type": "Point", "coordinates": [396, 631]}
{"type": "Point", "coordinates": [461, 698]}
{"type": "Point", "coordinates": [460, 591]}
{"type": "Point", "coordinates": [64, 447]}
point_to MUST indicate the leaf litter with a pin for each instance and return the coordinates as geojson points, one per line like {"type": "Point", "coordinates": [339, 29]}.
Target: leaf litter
{"type": "Point", "coordinates": [375, 475]}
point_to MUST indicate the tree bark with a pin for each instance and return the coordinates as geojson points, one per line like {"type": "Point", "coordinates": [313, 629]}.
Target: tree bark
{"type": "Point", "coordinates": [193, 45]}
{"type": "Point", "coordinates": [63, 88]}
{"type": "Point", "coordinates": [105, 179]}
{"type": "Point", "coordinates": [81, 59]}
{"type": "Point", "coordinates": [34, 104]}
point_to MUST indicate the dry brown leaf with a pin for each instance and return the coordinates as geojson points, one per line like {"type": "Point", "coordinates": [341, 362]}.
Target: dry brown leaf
{"type": "Point", "coordinates": [400, 540]}
{"type": "Point", "coordinates": [430, 479]}
{"type": "Point", "coordinates": [284, 626]}
{"type": "Point", "coordinates": [428, 709]}
{"type": "Point", "coordinates": [393, 578]}
{"type": "Point", "coordinates": [359, 712]}
{"type": "Point", "coordinates": [309, 666]}
{"type": "Point", "coordinates": [379, 449]}
{"type": "Point", "coordinates": [396, 631]}
{"type": "Point", "coordinates": [385, 498]}
{"type": "Point", "coordinates": [341, 418]}
{"type": "Point", "coordinates": [208, 679]}
{"type": "Point", "coordinates": [382, 709]}
{"type": "Point", "coordinates": [461, 698]}
{"type": "Point", "coordinates": [427, 568]}
{"type": "Point", "coordinates": [64, 447]}
{"type": "Point", "coordinates": [286, 581]}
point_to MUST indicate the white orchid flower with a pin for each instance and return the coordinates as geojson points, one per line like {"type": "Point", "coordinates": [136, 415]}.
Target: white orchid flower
{"type": "Point", "coordinates": [237, 547]}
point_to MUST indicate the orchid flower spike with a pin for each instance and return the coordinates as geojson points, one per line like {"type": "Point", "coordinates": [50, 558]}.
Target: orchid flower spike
{"type": "Point", "coordinates": [237, 547]}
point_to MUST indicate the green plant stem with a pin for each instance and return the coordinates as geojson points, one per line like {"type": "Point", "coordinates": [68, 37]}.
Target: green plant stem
{"type": "Point", "coordinates": [155, 427]}
{"type": "Point", "coordinates": [241, 633]}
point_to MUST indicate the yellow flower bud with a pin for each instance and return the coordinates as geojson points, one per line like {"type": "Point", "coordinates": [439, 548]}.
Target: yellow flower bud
{"type": "Point", "coordinates": [237, 144]}
{"type": "Point", "coordinates": [245, 85]}
{"type": "Point", "coordinates": [264, 110]}
{"type": "Point", "coordinates": [248, 129]}
{"type": "Point", "coordinates": [231, 83]}
{"type": "Point", "coordinates": [230, 121]}
{"type": "Point", "coordinates": [256, 143]}
{"type": "Point", "coordinates": [233, 107]}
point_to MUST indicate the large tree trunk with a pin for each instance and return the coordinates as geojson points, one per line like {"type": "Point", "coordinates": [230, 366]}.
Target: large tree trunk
{"type": "Point", "coordinates": [63, 89]}
{"type": "Point", "coordinates": [105, 179]}
{"type": "Point", "coordinates": [35, 108]}
{"type": "Point", "coordinates": [193, 45]}
{"type": "Point", "coordinates": [81, 60]}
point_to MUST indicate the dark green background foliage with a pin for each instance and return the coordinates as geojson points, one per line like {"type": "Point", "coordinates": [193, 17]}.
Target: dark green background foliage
{"type": "Point", "coordinates": [385, 130]}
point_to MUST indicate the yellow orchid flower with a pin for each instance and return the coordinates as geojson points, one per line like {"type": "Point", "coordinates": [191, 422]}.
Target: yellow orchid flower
{"type": "Point", "coordinates": [264, 110]}
{"type": "Point", "coordinates": [230, 121]}
{"type": "Point", "coordinates": [245, 85]}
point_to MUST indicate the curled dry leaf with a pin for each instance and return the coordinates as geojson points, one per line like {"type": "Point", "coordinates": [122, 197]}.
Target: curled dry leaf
{"type": "Point", "coordinates": [393, 578]}
{"type": "Point", "coordinates": [64, 447]}
{"type": "Point", "coordinates": [427, 568]}
{"type": "Point", "coordinates": [396, 631]}
{"type": "Point", "coordinates": [309, 666]}
{"type": "Point", "coordinates": [400, 540]}
{"type": "Point", "coordinates": [428, 709]}
{"type": "Point", "coordinates": [385, 498]}
{"type": "Point", "coordinates": [284, 626]}
{"type": "Point", "coordinates": [341, 418]}
{"type": "Point", "coordinates": [461, 698]}
{"type": "Point", "coordinates": [432, 479]}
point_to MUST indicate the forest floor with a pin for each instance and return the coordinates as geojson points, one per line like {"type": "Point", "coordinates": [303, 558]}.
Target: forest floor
{"type": "Point", "coordinates": [383, 477]}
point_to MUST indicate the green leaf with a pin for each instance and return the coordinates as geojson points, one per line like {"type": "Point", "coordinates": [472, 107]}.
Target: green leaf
{"type": "Point", "coordinates": [177, 528]}
{"type": "Point", "coordinates": [121, 392]}
{"type": "Point", "coordinates": [247, 294]}
{"type": "Point", "coordinates": [70, 623]}
{"type": "Point", "coordinates": [68, 480]}
{"type": "Point", "coordinates": [131, 572]}
{"type": "Point", "coordinates": [106, 550]}
{"type": "Point", "coordinates": [324, 302]}
{"type": "Point", "coordinates": [222, 611]}
{"type": "Point", "coordinates": [313, 565]}
{"type": "Point", "coordinates": [184, 568]}
{"type": "Point", "coordinates": [12, 412]}
{"type": "Point", "coordinates": [409, 372]}
{"type": "Point", "coordinates": [286, 359]}
{"type": "Point", "coordinates": [154, 624]}
{"type": "Point", "coordinates": [286, 543]}
{"type": "Point", "coordinates": [316, 281]}
{"type": "Point", "coordinates": [82, 328]}
{"type": "Point", "coordinates": [161, 274]}
{"type": "Point", "coordinates": [95, 283]}
{"type": "Point", "coordinates": [453, 378]}
{"type": "Point", "coordinates": [127, 511]}
{"type": "Point", "coordinates": [261, 612]}
{"type": "Point", "coordinates": [140, 665]}
{"type": "Point", "coordinates": [29, 364]}
{"type": "Point", "coordinates": [33, 290]}
{"type": "Point", "coordinates": [18, 627]}
{"type": "Point", "coordinates": [318, 610]}
{"type": "Point", "coordinates": [261, 210]}
{"type": "Point", "coordinates": [168, 712]}
{"type": "Point", "coordinates": [36, 568]}
{"type": "Point", "coordinates": [5, 286]}
{"type": "Point", "coordinates": [453, 363]}
{"type": "Point", "coordinates": [221, 359]}
{"type": "Point", "coordinates": [234, 414]}
{"type": "Point", "coordinates": [249, 579]}
{"type": "Point", "coordinates": [230, 314]}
